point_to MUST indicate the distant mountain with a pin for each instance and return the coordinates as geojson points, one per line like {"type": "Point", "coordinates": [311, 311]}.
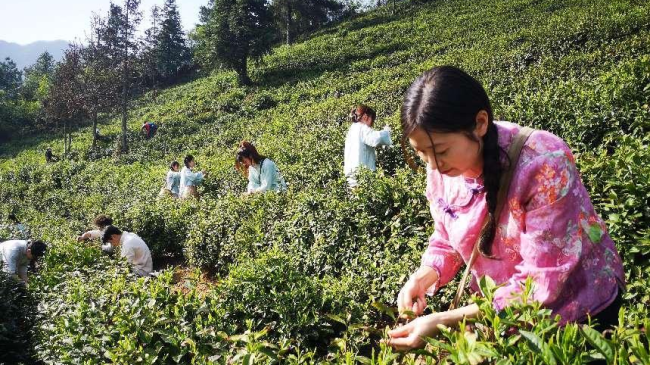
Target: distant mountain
{"type": "Point", "coordinates": [26, 55]}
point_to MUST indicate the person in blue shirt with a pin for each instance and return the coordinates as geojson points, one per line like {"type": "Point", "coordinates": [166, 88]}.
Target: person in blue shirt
{"type": "Point", "coordinates": [17, 228]}
{"type": "Point", "coordinates": [149, 129]}
{"type": "Point", "coordinates": [190, 180]}
{"type": "Point", "coordinates": [263, 174]}
{"type": "Point", "coordinates": [172, 181]}
{"type": "Point", "coordinates": [361, 141]}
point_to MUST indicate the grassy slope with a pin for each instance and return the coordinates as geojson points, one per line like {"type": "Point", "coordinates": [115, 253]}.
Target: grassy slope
{"type": "Point", "coordinates": [579, 69]}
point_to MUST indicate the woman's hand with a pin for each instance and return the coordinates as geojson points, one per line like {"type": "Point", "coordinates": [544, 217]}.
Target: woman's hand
{"type": "Point", "coordinates": [412, 290]}
{"type": "Point", "coordinates": [410, 336]}
{"type": "Point", "coordinates": [415, 289]}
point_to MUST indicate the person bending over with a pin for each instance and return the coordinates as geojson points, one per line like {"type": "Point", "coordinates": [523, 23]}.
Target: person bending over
{"type": "Point", "coordinates": [133, 249]}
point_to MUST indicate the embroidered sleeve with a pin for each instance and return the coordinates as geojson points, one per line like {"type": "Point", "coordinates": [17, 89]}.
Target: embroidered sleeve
{"type": "Point", "coordinates": [440, 256]}
{"type": "Point", "coordinates": [551, 243]}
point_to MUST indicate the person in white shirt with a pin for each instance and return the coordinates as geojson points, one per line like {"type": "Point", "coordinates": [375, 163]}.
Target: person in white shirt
{"type": "Point", "coordinates": [134, 249]}
{"type": "Point", "coordinates": [172, 182]}
{"type": "Point", "coordinates": [361, 141]}
{"type": "Point", "coordinates": [190, 180]}
{"type": "Point", "coordinates": [263, 174]}
{"type": "Point", "coordinates": [16, 255]}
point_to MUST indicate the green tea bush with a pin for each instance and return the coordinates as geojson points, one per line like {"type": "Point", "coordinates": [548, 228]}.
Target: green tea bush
{"type": "Point", "coordinates": [18, 322]}
{"type": "Point", "coordinates": [231, 229]}
{"type": "Point", "coordinates": [162, 224]}
{"type": "Point", "coordinates": [526, 333]}
{"type": "Point", "coordinates": [274, 291]}
{"type": "Point", "coordinates": [617, 174]}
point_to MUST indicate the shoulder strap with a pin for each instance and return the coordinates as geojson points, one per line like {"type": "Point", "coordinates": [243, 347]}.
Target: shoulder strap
{"type": "Point", "coordinates": [259, 175]}
{"type": "Point", "coordinates": [504, 186]}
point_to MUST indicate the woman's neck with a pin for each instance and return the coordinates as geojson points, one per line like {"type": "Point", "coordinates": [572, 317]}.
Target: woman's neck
{"type": "Point", "coordinates": [473, 174]}
{"type": "Point", "coordinates": [475, 171]}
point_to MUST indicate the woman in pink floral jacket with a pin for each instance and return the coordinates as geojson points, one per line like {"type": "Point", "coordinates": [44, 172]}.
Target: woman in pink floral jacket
{"type": "Point", "coordinates": [548, 229]}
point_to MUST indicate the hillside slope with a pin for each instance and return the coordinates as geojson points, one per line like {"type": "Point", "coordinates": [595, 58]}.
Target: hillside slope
{"type": "Point", "coordinates": [305, 267]}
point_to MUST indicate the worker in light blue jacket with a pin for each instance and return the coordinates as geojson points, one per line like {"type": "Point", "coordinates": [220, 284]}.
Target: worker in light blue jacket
{"type": "Point", "coordinates": [361, 141]}
{"type": "Point", "coordinates": [16, 229]}
{"type": "Point", "coordinates": [190, 180]}
{"type": "Point", "coordinates": [263, 174]}
{"type": "Point", "coordinates": [172, 181]}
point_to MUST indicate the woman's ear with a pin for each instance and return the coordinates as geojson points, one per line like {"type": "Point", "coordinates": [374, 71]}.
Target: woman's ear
{"type": "Point", "coordinates": [482, 122]}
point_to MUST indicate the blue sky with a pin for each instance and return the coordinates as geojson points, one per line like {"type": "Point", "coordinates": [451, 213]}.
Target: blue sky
{"type": "Point", "coordinates": [26, 21]}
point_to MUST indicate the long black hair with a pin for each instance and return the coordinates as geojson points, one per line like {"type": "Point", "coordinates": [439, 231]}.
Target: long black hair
{"type": "Point", "coordinates": [187, 160]}
{"type": "Point", "coordinates": [445, 99]}
{"type": "Point", "coordinates": [247, 150]}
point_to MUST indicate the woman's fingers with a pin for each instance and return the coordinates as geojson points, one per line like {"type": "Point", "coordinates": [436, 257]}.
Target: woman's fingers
{"type": "Point", "coordinates": [417, 308]}
{"type": "Point", "coordinates": [405, 303]}
{"type": "Point", "coordinates": [403, 338]}
{"type": "Point", "coordinates": [400, 344]}
{"type": "Point", "coordinates": [400, 331]}
{"type": "Point", "coordinates": [420, 304]}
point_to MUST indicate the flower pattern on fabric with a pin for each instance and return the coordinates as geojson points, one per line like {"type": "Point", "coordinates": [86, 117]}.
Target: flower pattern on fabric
{"type": "Point", "coordinates": [548, 231]}
{"type": "Point", "coordinates": [517, 212]}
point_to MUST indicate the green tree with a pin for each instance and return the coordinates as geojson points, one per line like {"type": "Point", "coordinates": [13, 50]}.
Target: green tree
{"type": "Point", "coordinates": [65, 100]}
{"type": "Point", "coordinates": [172, 51]}
{"type": "Point", "coordinates": [295, 17]}
{"type": "Point", "coordinates": [231, 32]}
{"type": "Point", "coordinates": [131, 19]}
{"type": "Point", "coordinates": [16, 113]}
{"type": "Point", "coordinates": [148, 58]}
{"type": "Point", "coordinates": [10, 78]}
{"type": "Point", "coordinates": [38, 77]}
{"type": "Point", "coordinates": [165, 53]}
{"type": "Point", "coordinates": [122, 48]}
{"type": "Point", "coordinates": [100, 73]}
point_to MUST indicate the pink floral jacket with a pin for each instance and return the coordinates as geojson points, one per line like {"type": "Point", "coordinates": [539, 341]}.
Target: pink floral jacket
{"type": "Point", "coordinates": [548, 230]}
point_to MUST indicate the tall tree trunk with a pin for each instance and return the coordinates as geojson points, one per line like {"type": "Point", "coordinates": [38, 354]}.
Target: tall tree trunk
{"type": "Point", "coordinates": [242, 72]}
{"type": "Point", "coordinates": [94, 129]}
{"type": "Point", "coordinates": [289, 24]}
{"type": "Point", "coordinates": [65, 139]}
{"type": "Point", "coordinates": [125, 73]}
